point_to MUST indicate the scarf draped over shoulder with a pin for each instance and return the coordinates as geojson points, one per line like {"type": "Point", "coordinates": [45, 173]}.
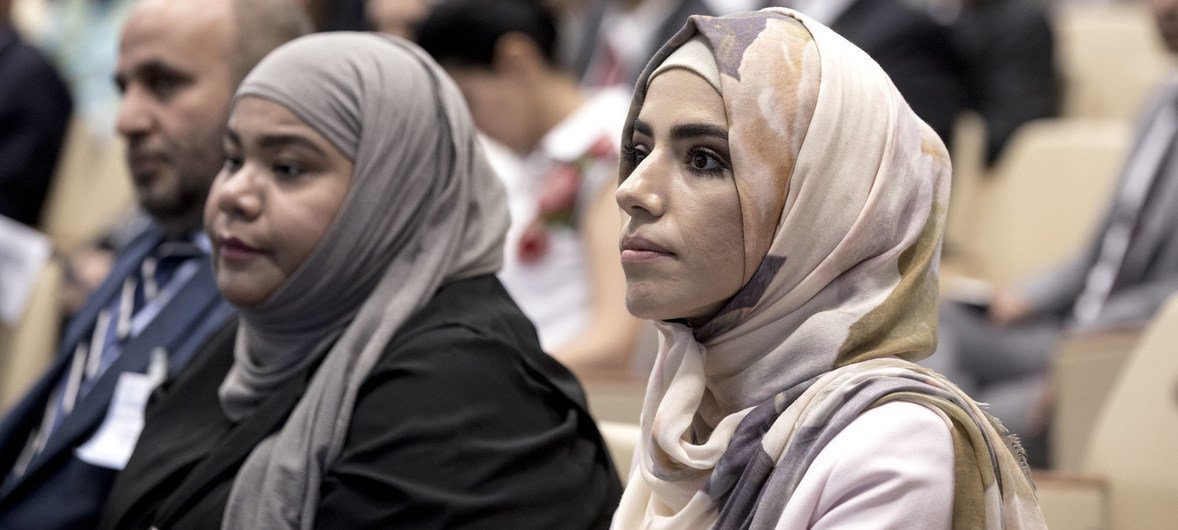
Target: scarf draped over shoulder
{"type": "Point", "coordinates": [423, 209]}
{"type": "Point", "coordinates": [843, 193]}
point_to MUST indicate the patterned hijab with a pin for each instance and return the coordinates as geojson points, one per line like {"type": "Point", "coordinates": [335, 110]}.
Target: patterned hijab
{"type": "Point", "coordinates": [423, 209]}
{"type": "Point", "coordinates": [843, 195]}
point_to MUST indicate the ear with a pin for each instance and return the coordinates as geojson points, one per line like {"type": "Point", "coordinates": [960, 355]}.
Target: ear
{"type": "Point", "coordinates": [518, 54]}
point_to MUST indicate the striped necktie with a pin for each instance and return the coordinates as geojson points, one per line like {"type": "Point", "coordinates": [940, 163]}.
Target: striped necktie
{"type": "Point", "coordinates": [112, 328]}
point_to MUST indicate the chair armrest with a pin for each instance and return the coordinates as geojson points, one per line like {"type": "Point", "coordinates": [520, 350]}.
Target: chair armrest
{"type": "Point", "coordinates": [614, 397]}
{"type": "Point", "coordinates": [1085, 367]}
{"type": "Point", "coordinates": [1072, 501]}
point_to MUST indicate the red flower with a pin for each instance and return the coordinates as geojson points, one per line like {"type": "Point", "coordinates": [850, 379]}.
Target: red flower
{"type": "Point", "coordinates": [533, 243]}
{"type": "Point", "coordinates": [557, 201]}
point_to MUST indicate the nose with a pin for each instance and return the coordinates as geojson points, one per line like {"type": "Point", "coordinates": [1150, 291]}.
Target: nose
{"type": "Point", "coordinates": [639, 195]}
{"type": "Point", "coordinates": [238, 194]}
{"type": "Point", "coordinates": [135, 117]}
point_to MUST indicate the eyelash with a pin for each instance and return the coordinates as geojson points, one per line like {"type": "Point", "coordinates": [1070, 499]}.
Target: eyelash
{"type": "Point", "coordinates": [720, 164]}
{"type": "Point", "coordinates": [284, 171]}
{"type": "Point", "coordinates": [232, 162]}
{"type": "Point", "coordinates": [636, 154]}
{"type": "Point", "coordinates": [630, 153]}
{"type": "Point", "coordinates": [288, 170]}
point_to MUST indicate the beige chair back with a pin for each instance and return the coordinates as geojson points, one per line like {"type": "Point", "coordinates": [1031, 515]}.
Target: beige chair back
{"type": "Point", "coordinates": [1044, 198]}
{"type": "Point", "coordinates": [1111, 57]}
{"type": "Point", "coordinates": [621, 439]}
{"type": "Point", "coordinates": [1135, 443]}
{"type": "Point", "coordinates": [28, 349]}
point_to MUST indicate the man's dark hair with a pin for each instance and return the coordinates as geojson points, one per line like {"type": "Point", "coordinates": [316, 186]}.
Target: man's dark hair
{"type": "Point", "coordinates": [464, 32]}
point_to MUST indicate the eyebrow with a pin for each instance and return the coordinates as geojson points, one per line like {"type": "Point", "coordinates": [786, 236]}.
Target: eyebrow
{"type": "Point", "coordinates": [643, 128]}
{"type": "Point", "coordinates": [687, 130]}
{"type": "Point", "coordinates": [152, 67]}
{"type": "Point", "coordinates": [271, 141]}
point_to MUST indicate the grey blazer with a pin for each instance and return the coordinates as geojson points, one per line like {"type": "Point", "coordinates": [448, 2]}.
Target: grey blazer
{"type": "Point", "coordinates": [1149, 274]}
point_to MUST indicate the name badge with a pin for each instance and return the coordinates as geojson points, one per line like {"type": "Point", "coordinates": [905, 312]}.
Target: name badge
{"type": "Point", "coordinates": [114, 441]}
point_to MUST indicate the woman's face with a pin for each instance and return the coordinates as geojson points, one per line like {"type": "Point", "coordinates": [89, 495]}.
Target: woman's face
{"type": "Point", "coordinates": [277, 193]}
{"type": "Point", "coordinates": [683, 244]}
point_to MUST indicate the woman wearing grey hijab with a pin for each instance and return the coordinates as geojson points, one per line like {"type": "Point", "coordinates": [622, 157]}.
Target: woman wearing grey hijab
{"type": "Point", "coordinates": [379, 375]}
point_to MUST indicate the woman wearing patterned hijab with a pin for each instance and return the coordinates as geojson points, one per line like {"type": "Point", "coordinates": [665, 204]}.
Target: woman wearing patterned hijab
{"type": "Point", "coordinates": [785, 216]}
{"type": "Point", "coordinates": [380, 376]}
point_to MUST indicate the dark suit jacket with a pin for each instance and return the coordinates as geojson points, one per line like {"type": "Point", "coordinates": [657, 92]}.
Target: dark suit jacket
{"type": "Point", "coordinates": [35, 109]}
{"type": "Point", "coordinates": [916, 52]}
{"type": "Point", "coordinates": [1011, 76]}
{"type": "Point", "coordinates": [587, 46]}
{"type": "Point", "coordinates": [58, 490]}
{"type": "Point", "coordinates": [463, 422]}
{"type": "Point", "coordinates": [1149, 274]}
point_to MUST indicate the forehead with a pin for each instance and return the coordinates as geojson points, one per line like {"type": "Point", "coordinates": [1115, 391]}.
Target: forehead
{"type": "Point", "coordinates": [253, 114]}
{"type": "Point", "coordinates": [176, 36]}
{"type": "Point", "coordinates": [679, 95]}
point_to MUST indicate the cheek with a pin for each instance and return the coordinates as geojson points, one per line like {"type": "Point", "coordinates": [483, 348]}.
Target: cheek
{"type": "Point", "coordinates": [298, 234]}
{"type": "Point", "coordinates": [728, 250]}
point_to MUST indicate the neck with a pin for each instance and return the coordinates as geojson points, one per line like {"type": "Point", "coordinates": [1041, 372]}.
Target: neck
{"type": "Point", "coordinates": [180, 225]}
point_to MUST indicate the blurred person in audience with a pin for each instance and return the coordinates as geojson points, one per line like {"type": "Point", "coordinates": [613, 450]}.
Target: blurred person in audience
{"type": "Point", "coordinates": [915, 49]}
{"type": "Point", "coordinates": [379, 375]}
{"type": "Point", "coordinates": [619, 36]}
{"type": "Point", "coordinates": [786, 208]}
{"type": "Point", "coordinates": [400, 17]}
{"type": "Point", "coordinates": [1008, 47]}
{"type": "Point", "coordinates": [61, 446]}
{"type": "Point", "coordinates": [561, 256]}
{"type": "Point", "coordinates": [35, 108]}
{"type": "Point", "coordinates": [1001, 351]}
{"type": "Point", "coordinates": [338, 15]}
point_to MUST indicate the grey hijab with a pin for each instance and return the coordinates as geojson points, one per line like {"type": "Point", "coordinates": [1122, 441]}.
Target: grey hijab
{"type": "Point", "coordinates": [424, 209]}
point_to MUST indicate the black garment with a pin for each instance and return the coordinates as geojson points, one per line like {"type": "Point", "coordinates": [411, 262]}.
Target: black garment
{"type": "Point", "coordinates": [35, 110]}
{"type": "Point", "coordinates": [588, 44]}
{"type": "Point", "coordinates": [1009, 48]}
{"type": "Point", "coordinates": [464, 422]}
{"type": "Point", "coordinates": [915, 51]}
{"type": "Point", "coordinates": [59, 488]}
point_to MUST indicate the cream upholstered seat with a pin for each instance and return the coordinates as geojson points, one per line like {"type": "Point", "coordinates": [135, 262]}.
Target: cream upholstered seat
{"type": "Point", "coordinates": [27, 349]}
{"type": "Point", "coordinates": [1084, 369]}
{"type": "Point", "coordinates": [1042, 201]}
{"type": "Point", "coordinates": [621, 439]}
{"type": "Point", "coordinates": [1135, 443]}
{"type": "Point", "coordinates": [1131, 463]}
{"type": "Point", "coordinates": [1111, 58]}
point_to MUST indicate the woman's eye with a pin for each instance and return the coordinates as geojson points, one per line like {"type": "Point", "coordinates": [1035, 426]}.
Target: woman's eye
{"type": "Point", "coordinates": [232, 163]}
{"type": "Point", "coordinates": [705, 162]}
{"type": "Point", "coordinates": [288, 171]}
{"type": "Point", "coordinates": [633, 153]}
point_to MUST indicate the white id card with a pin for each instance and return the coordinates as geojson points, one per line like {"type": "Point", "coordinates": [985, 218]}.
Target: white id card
{"type": "Point", "coordinates": [113, 442]}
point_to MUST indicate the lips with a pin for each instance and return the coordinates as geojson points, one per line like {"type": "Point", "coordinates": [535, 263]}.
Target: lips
{"type": "Point", "coordinates": [232, 249]}
{"type": "Point", "coordinates": [637, 249]}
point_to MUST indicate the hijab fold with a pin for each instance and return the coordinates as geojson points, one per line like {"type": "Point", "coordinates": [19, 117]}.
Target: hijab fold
{"type": "Point", "coordinates": [843, 194]}
{"type": "Point", "coordinates": [423, 209]}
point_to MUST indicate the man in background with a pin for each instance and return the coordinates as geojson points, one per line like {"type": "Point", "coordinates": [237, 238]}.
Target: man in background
{"type": "Point", "coordinates": [1001, 353]}
{"type": "Point", "coordinates": [178, 67]}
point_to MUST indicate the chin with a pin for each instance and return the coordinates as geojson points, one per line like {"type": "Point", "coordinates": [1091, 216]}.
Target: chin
{"type": "Point", "coordinates": [647, 306]}
{"type": "Point", "coordinates": [239, 295]}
